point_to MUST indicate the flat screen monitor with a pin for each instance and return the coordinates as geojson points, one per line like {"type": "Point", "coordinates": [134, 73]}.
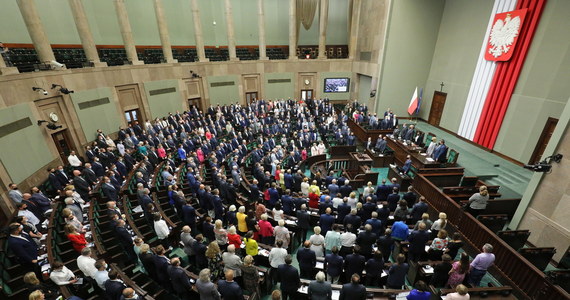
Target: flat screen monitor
{"type": "Point", "coordinates": [337, 85]}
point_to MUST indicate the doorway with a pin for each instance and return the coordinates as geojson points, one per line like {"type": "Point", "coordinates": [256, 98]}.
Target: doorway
{"type": "Point", "coordinates": [306, 94]}
{"type": "Point", "coordinates": [437, 105]}
{"type": "Point", "coordinates": [543, 140]}
{"type": "Point", "coordinates": [195, 102]}
{"type": "Point", "coordinates": [62, 143]}
{"type": "Point", "coordinates": [250, 97]}
{"type": "Point", "coordinates": [132, 115]}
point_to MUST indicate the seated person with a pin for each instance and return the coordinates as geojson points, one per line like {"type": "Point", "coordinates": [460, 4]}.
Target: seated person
{"type": "Point", "coordinates": [61, 275]}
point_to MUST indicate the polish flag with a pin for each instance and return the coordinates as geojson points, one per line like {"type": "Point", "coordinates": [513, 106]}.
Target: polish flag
{"type": "Point", "coordinates": [414, 103]}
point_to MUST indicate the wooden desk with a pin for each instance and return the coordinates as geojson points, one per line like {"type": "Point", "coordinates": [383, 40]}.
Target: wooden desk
{"type": "Point", "coordinates": [372, 293]}
{"type": "Point", "coordinates": [380, 160]}
{"type": "Point", "coordinates": [359, 159]}
{"type": "Point", "coordinates": [404, 180]}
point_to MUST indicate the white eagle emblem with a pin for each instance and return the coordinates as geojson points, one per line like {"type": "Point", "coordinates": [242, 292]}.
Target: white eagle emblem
{"type": "Point", "coordinates": [503, 35]}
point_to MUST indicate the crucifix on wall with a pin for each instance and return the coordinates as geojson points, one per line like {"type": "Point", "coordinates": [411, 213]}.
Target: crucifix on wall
{"type": "Point", "coordinates": [442, 85]}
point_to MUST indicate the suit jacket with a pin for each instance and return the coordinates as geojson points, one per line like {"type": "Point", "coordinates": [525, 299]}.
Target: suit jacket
{"type": "Point", "coordinates": [124, 237]}
{"type": "Point", "coordinates": [25, 249]}
{"type": "Point", "coordinates": [382, 192]}
{"type": "Point", "coordinates": [307, 258]}
{"type": "Point", "coordinates": [418, 240]}
{"type": "Point", "coordinates": [440, 153]}
{"type": "Point", "coordinates": [351, 291]}
{"type": "Point", "coordinates": [345, 190]}
{"type": "Point", "coordinates": [303, 219]}
{"type": "Point", "coordinates": [114, 289]}
{"type": "Point", "coordinates": [334, 264]}
{"type": "Point", "coordinates": [89, 176]}
{"type": "Point", "coordinates": [54, 181]}
{"type": "Point", "coordinates": [366, 240]}
{"type": "Point", "coordinates": [326, 222]}
{"type": "Point", "coordinates": [63, 181]}
{"type": "Point", "coordinates": [110, 192]}
{"type": "Point", "coordinates": [81, 185]}
{"type": "Point", "coordinates": [289, 278]}
{"type": "Point", "coordinates": [354, 263]}
{"type": "Point", "coordinates": [179, 279]}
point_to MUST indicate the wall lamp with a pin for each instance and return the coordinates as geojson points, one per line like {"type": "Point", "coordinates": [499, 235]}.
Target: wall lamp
{"type": "Point", "coordinates": [39, 90]}
{"type": "Point", "coordinates": [62, 89]}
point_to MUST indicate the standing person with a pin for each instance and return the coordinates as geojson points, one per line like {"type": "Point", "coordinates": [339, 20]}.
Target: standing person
{"type": "Point", "coordinates": [480, 265]}
{"type": "Point", "coordinates": [353, 290]}
{"type": "Point", "coordinates": [397, 273]}
{"type": "Point", "coordinates": [205, 287]}
{"type": "Point", "coordinates": [374, 268]}
{"type": "Point", "coordinates": [478, 201]}
{"type": "Point", "coordinates": [77, 239]}
{"type": "Point", "coordinates": [289, 278]}
{"type": "Point", "coordinates": [162, 230]}
{"type": "Point", "coordinates": [458, 270]}
{"type": "Point", "coordinates": [215, 263]}
{"type": "Point", "coordinates": [228, 288]}
{"type": "Point", "coordinates": [307, 260]}
{"type": "Point", "coordinates": [250, 275]}
{"type": "Point", "coordinates": [303, 222]}
{"type": "Point", "coordinates": [332, 238]}
{"type": "Point", "coordinates": [439, 224]}
{"type": "Point", "coordinates": [438, 245]}
{"type": "Point", "coordinates": [333, 265]}
{"type": "Point", "coordinates": [441, 272]}
{"type": "Point", "coordinates": [276, 258]}
{"type": "Point", "coordinates": [418, 239]}
{"type": "Point", "coordinates": [385, 243]}
{"type": "Point", "coordinates": [180, 281]}
{"type": "Point", "coordinates": [282, 233]}
{"type": "Point", "coordinates": [454, 245]}
{"type": "Point", "coordinates": [354, 263]}
{"type": "Point", "coordinates": [317, 242]}
{"type": "Point", "coordinates": [319, 289]}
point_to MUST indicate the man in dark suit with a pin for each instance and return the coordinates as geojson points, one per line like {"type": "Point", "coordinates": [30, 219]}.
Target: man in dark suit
{"type": "Point", "coordinates": [410, 133]}
{"type": "Point", "coordinates": [382, 191]}
{"type": "Point", "coordinates": [418, 239]}
{"type": "Point", "coordinates": [410, 196]}
{"type": "Point", "coordinates": [440, 153]}
{"type": "Point", "coordinates": [353, 219]}
{"type": "Point", "coordinates": [354, 263]}
{"type": "Point", "coordinates": [200, 251]}
{"type": "Point", "coordinates": [189, 214]}
{"type": "Point", "coordinates": [54, 182]}
{"type": "Point", "coordinates": [25, 249]}
{"type": "Point", "coordinates": [342, 211]}
{"type": "Point", "coordinates": [365, 240]}
{"type": "Point", "coordinates": [114, 286]}
{"type": "Point", "coordinates": [89, 175]}
{"type": "Point", "coordinates": [333, 265]}
{"type": "Point", "coordinates": [346, 189]}
{"type": "Point", "coordinates": [179, 279]}
{"type": "Point", "coordinates": [126, 240]}
{"type": "Point", "coordinates": [289, 278]}
{"type": "Point", "coordinates": [109, 190]}
{"type": "Point", "coordinates": [254, 191]}
{"type": "Point", "coordinates": [162, 263]}
{"type": "Point", "coordinates": [81, 186]}
{"type": "Point", "coordinates": [228, 288]}
{"type": "Point", "coordinates": [303, 222]}
{"type": "Point", "coordinates": [298, 179]}
{"type": "Point", "coordinates": [407, 165]}
{"type": "Point", "coordinates": [393, 199]}
{"type": "Point", "coordinates": [326, 220]}
{"type": "Point", "coordinates": [61, 176]}
{"type": "Point", "coordinates": [353, 290]}
{"type": "Point", "coordinates": [307, 260]}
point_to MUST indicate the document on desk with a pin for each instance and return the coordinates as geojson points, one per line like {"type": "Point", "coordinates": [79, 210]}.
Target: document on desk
{"type": "Point", "coordinates": [429, 159]}
{"type": "Point", "coordinates": [320, 265]}
{"type": "Point", "coordinates": [423, 154]}
{"type": "Point", "coordinates": [290, 222]}
{"type": "Point", "coordinates": [384, 273]}
{"type": "Point", "coordinates": [428, 269]}
{"type": "Point", "coordinates": [335, 295]}
{"type": "Point", "coordinates": [303, 289]}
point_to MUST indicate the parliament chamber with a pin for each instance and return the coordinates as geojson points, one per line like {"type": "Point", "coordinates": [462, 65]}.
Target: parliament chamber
{"type": "Point", "coordinates": [284, 149]}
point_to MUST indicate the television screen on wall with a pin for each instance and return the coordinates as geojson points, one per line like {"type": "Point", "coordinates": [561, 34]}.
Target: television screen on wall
{"type": "Point", "coordinates": [337, 85]}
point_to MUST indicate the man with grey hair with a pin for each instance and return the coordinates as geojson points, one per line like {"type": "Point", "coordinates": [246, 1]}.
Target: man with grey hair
{"type": "Point", "coordinates": [205, 287]}
{"type": "Point", "coordinates": [366, 239]}
{"type": "Point", "coordinates": [179, 279]}
{"type": "Point", "coordinates": [480, 265]}
{"type": "Point", "coordinates": [86, 263]}
{"type": "Point", "coordinates": [232, 261]}
{"type": "Point", "coordinates": [228, 288]}
{"type": "Point", "coordinates": [319, 289]}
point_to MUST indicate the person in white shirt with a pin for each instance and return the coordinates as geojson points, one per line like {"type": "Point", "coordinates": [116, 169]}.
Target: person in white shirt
{"type": "Point", "coordinates": [161, 229]}
{"type": "Point", "coordinates": [121, 148]}
{"type": "Point", "coordinates": [321, 149]}
{"type": "Point", "coordinates": [61, 275]}
{"type": "Point", "coordinates": [86, 263]}
{"type": "Point", "coordinates": [74, 160]}
{"type": "Point", "coordinates": [369, 189]}
{"type": "Point", "coordinates": [336, 201]}
{"type": "Point", "coordinates": [102, 274]}
{"type": "Point", "coordinates": [276, 258]}
{"type": "Point", "coordinates": [23, 211]}
{"type": "Point", "coordinates": [282, 233]}
{"type": "Point", "coordinates": [347, 240]}
{"type": "Point", "coordinates": [14, 193]}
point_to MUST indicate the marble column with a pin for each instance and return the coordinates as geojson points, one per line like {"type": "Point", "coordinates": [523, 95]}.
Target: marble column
{"type": "Point", "coordinates": [163, 32]}
{"type": "Point", "coordinates": [126, 32]}
{"type": "Point", "coordinates": [84, 31]}
{"type": "Point", "coordinates": [261, 29]}
{"type": "Point", "coordinates": [36, 31]}
{"type": "Point", "coordinates": [323, 20]}
{"type": "Point", "coordinates": [355, 20]}
{"type": "Point", "coordinates": [230, 30]}
{"type": "Point", "coordinates": [198, 32]}
{"type": "Point", "coordinates": [293, 29]}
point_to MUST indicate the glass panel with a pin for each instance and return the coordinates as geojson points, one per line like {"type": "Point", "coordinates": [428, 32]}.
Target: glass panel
{"type": "Point", "coordinates": [128, 116]}
{"type": "Point", "coordinates": [134, 112]}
